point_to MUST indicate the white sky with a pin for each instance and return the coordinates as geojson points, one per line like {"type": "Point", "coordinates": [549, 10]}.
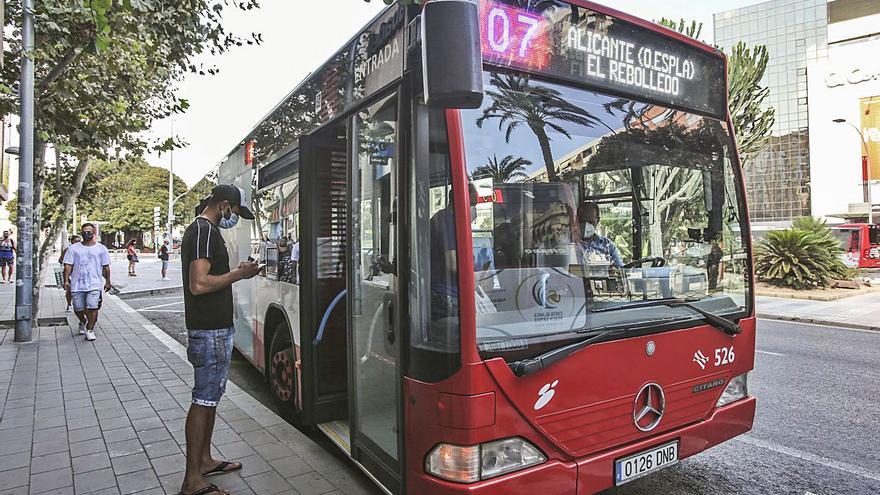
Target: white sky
{"type": "Point", "coordinates": [299, 36]}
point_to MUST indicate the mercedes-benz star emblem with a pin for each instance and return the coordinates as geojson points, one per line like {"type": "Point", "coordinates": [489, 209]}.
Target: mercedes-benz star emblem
{"type": "Point", "coordinates": [650, 348]}
{"type": "Point", "coordinates": [649, 406]}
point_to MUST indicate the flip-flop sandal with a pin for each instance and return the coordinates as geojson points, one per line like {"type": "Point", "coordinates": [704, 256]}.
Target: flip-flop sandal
{"type": "Point", "coordinates": [221, 468]}
{"type": "Point", "coordinates": [205, 491]}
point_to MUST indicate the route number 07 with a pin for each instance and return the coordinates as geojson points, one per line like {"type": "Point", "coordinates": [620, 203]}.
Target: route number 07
{"type": "Point", "coordinates": [724, 355]}
{"type": "Point", "coordinates": [499, 28]}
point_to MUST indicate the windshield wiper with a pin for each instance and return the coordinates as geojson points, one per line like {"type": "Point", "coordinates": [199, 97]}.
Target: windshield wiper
{"type": "Point", "coordinates": [727, 326]}
{"type": "Point", "coordinates": [525, 367]}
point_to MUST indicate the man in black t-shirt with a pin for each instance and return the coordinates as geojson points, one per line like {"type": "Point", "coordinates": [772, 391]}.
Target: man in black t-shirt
{"type": "Point", "coordinates": [207, 296]}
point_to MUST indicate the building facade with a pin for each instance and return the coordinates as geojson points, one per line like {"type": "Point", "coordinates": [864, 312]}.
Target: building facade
{"type": "Point", "coordinates": [796, 35]}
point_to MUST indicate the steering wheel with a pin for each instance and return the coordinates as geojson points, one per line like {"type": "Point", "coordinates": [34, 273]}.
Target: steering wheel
{"type": "Point", "coordinates": [656, 262]}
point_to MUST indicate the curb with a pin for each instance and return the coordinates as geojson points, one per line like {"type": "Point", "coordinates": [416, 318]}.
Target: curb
{"type": "Point", "coordinates": [816, 321]}
{"type": "Point", "coordinates": [151, 292]}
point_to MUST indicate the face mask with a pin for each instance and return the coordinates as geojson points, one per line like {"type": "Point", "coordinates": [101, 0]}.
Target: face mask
{"type": "Point", "coordinates": [88, 236]}
{"type": "Point", "coordinates": [228, 223]}
{"type": "Point", "coordinates": [589, 230]}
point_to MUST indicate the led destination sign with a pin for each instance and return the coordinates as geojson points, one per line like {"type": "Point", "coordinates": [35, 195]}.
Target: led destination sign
{"type": "Point", "coordinates": [584, 46]}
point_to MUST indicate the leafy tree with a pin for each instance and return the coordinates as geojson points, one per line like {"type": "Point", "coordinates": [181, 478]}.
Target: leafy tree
{"type": "Point", "coordinates": [747, 99]}
{"type": "Point", "coordinates": [516, 102]}
{"type": "Point", "coordinates": [127, 195]}
{"type": "Point", "coordinates": [104, 71]}
{"type": "Point", "coordinates": [509, 169]}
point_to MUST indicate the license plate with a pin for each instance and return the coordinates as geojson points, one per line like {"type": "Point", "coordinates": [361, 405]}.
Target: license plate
{"type": "Point", "coordinates": [644, 463]}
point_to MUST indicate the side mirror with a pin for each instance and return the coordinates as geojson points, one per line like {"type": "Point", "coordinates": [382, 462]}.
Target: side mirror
{"type": "Point", "coordinates": [452, 60]}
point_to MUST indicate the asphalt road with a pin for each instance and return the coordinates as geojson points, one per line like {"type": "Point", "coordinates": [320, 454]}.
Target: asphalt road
{"type": "Point", "coordinates": [816, 431]}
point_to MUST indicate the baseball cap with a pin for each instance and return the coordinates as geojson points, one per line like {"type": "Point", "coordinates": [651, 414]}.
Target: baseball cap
{"type": "Point", "coordinates": [235, 196]}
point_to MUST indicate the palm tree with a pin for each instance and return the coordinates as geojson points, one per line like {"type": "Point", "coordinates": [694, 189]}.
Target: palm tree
{"type": "Point", "coordinates": [517, 102]}
{"type": "Point", "coordinates": [509, 169]}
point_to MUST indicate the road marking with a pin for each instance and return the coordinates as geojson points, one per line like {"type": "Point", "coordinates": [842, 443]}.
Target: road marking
{"type": "Point", "coordinates": [161, 306]}
{"type": "Point", "coordinates": [770, 353]}
{"type": "Point", "coordinates": [153, 298]}
{"type": "Point", "coordinates": [806, 456]}
{"type": "Point", "coordinates": [161, 311]}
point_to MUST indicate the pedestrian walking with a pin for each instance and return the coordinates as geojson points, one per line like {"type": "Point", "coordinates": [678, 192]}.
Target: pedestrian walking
{"type": "Point", "coordinates": [86, 273]}
{"type": "Point", "coordinates": [132, 256]}
{"type": "Point", "coordinates": [207, 296]}
{"type": "Point", "coordinates": [70, 241]}
{"type": "Point", "coordinates": [165, 259]}
{"type": "Point", "coordinates": [7, 256]}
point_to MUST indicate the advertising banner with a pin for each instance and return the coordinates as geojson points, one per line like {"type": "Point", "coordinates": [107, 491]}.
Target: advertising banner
{"type": "Point", "coordinates": [870, 125]}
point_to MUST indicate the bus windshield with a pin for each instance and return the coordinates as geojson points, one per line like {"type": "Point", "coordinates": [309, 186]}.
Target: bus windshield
{"type": "Point", "coordinates": [588, 206]}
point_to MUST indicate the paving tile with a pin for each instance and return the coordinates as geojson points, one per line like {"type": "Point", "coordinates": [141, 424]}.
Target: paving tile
{"type": "Point", "coordinates": [154, 435]}
{"type": "Point", "coordinates": [311, 484]}
{"type": "Point", "coordinates": [87, 447]}
{"type": "Point", "coordinates": [125, 447]}
{"type": "Point", "coordinates": [91, 462]}
{"type": "Point", "coordinates": [161, 449]}
{"type": "Point", "coordinates": [95, 481]}
{"type": "Point", "coordinates": [269, 482]}
{"type": "Point", "coordinates": [252, 465]}
{"type": "Point", "coordinates": [175, 463]}
{"type": "Point", "coordinates": [108, 424]}
{"type": "Point", "coordinates": [236, 450]}
{"type": "Point", "coordinates": [258, 437]}
{"type": "Point", "coordinates": [120, 434]}
{"type": "Point", "coordinates": [84, 434]}
{"type": "Point", "coordinates": [222, 437]}
{"type": "Point", "coordinates": [50, 434]}
{"type": "Point", "coordinates": [130, 463]}
{"type": "Point", "coordinates": [51, 480]}
{"type": "Point", "coordinates": [272, 451]}
{"type": "Point", "coordinates": [244, 425]}
{"type": "Point", "coordinates": [14, 461]}
{"type": "Point", "coordinates": [50, 447]}
{"type": "Point", "coordinates": [137, 481]}
{"type": "Point", "coordinates": [290, 466]}
{"type": "Point", "coordinates": [147, 424]}
{"type": "Point", "coordinates": [42, 464]}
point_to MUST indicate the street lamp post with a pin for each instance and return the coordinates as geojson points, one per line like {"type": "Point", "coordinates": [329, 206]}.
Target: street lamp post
{"type": "Point", "coordinates": [866, 169]}
{"type": "Point", "coordinates": [171, 192]}
{"type": "Point", "coordinates": [24, 269]}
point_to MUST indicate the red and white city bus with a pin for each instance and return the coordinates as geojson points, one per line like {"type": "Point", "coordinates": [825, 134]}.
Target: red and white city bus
{"type": "Point", "coordinates": [529, 278]}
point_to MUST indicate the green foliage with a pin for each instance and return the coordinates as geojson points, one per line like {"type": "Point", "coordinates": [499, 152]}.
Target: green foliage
{"type": "Point", "coordinates": [509, 169]}
{"type": "Point", "coordinates": [126, 193]}
{"type": "Point", "coordinates": [752, 118]}
{"type": "Point", "coordinates": [805, 256]}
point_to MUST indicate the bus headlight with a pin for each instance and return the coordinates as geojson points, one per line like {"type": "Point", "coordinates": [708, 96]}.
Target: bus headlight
{"type": "Point", "coordinates": [736, 390]}
{"type": "Point", "coordinates": [480, 462]}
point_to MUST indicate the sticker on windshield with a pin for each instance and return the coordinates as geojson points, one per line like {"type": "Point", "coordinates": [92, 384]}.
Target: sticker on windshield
{"type": "Point", "coordinates": [545, 395]}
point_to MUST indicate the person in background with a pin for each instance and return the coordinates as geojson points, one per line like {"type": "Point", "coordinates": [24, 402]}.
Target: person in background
{"type": "Point", "coordinates": [7, 256]}
{"type": "Point", "coordinates": [74, 239]}
{"type": "Point", "coordinates": [294, 261]}
{"type": "Point", "coordinates": [165, 258]}
{"type": "Point", "coordinates": [132, 256]}
{"type": "Point", "coordinates": [285, 270]}
{"type": "Point", "coordinates": [85, 264]}
{"type": "Point", "coordinates": [208, 303]}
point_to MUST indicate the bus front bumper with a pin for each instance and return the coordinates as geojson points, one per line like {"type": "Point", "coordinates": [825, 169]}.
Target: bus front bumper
{"type": "Point", "coordinates": [596, 473]}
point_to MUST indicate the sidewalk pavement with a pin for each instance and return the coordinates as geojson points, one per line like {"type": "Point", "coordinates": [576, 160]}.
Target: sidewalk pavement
{"type": "Point", "coordinates": [107, 417]}
{"type": "Point", "coordinates": [859, 312]}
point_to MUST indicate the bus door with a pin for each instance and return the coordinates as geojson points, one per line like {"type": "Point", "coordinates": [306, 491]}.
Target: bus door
{"type": "Point", "coordinates": [373, 292]}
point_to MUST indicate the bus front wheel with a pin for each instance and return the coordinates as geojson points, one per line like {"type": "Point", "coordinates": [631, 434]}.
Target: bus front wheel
{"type": "Point", "coordinates": [282, 372]}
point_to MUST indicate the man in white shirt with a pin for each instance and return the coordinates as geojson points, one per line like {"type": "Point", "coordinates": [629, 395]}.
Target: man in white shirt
{"type": "Point", "coordinates": [86, 275]}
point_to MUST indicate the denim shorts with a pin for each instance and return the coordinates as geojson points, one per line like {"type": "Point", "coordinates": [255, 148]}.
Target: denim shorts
{"type": "Point", "coordinates": [86, 300]}
{"type": "Point", "coordinates": [209, 352]}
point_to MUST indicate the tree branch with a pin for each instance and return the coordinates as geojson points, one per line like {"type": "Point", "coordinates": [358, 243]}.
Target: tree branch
{"type": "Point", "coordinates": [72, 53]}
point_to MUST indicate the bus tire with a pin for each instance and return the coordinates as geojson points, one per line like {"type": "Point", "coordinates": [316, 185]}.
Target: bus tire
{"type": "Point", "coordinates": [282, 373]}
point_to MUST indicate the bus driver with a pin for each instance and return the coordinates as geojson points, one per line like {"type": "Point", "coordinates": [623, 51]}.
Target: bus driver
{"type": "Point", "coordinates": [591, 241]}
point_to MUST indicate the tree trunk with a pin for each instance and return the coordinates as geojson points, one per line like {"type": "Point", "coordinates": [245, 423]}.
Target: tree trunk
{"type": "Point", "coordinates": [547, 152]}
{"type": "Point", "coordinates": [70, 197]}
{"type": "Point", "coordinates": [39, 181]}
